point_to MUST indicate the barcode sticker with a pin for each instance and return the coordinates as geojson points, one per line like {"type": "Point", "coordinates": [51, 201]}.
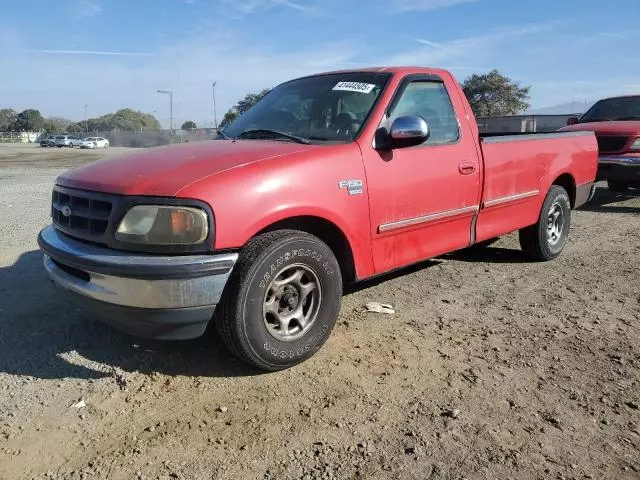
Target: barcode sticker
{"type": "Point", "coordinates": [354, 87]}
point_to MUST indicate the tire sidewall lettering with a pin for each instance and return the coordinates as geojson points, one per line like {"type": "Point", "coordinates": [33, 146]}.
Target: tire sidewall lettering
{"type": "Point", "coordinates": [297, 352]}
{"type": "Point", "coordinates": [314, 255]}
{"type": "Point", "coordinates": [292, 257]}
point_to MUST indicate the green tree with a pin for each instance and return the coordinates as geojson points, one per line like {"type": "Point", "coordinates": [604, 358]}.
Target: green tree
{"type": "Point", "coordinates": [56, 125]}
{"type": "Point", "coordinates": [7, 119]}
{"type": "Point", "coordinates": [249, 100]}
{"type": "Point", "coordinates": [133, 120]}
{"type": "Point", "coordinates": [125, 119]}
{"type": "Point", "coordinates": [189, 125]}
{"type": "Point", "coordinates": [494, 94]}
{"type": "Point", "coordinates": [29, 121]}
{"type": "Point", "coordinates": [241, 106]}
{"type": "Point", "coordinates": [229, 117]}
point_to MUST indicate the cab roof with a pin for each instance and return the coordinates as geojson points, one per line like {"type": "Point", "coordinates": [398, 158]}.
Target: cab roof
{"type": "Point", "coordinates": [403, 70]}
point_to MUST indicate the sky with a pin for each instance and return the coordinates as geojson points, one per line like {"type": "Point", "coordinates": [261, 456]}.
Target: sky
{"type": "Point", "coordinates": [110, 54]}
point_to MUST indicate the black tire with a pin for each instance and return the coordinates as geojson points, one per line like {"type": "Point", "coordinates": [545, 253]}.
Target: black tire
{"type": "Point", "coordinates": [545, 240]}
{"type": "Point", "coordinates": [617, 187]}
{"type": "Point", "coordinates": [240, 317]}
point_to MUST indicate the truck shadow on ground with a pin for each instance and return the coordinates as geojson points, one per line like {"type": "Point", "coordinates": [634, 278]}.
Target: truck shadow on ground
{"type": "Point", "coordinates": [44, 335]}
{"type": "Point", "coordinates": [489, 254]}
{"type": "Point", "coordinates": [606, 201]}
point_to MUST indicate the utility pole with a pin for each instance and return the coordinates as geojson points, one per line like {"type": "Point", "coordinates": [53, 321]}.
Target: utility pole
{"type": "Point", "coordinates": [170, 93]}
{"type": "Point", "coordinates": [215, 116]}
{"type": "Point", "coordinates": [86, 127]}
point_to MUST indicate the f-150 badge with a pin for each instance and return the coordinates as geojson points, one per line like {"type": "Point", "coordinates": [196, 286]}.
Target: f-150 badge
{"type": "Point", "coordinates": [354, 187]}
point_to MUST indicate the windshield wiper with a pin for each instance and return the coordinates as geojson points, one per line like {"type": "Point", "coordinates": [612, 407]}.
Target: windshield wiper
{"type": "Point", "coordinates": [274, 133]}
{"type": "Point", "coordinates": [628, 118]}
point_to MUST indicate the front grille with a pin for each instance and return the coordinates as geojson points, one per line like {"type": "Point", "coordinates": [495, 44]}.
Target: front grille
{"type": "Point", "coordinates": [610, 144]}
{"type": "Point", "coordinates": [81, 214]}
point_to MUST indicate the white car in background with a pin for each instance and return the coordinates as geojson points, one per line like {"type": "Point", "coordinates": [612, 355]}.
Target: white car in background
{"type": "Point", "coordinates": [94, 142]}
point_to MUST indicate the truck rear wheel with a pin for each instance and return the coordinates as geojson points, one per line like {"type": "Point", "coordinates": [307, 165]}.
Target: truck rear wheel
{"type": "Point", "coordinates": [546, 239]}
{"type": "Point", "coordinates": [282, 300]}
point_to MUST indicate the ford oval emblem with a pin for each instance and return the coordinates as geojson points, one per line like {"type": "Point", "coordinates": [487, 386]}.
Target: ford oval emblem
{"type": "Point", "coordinates": [66, 211]}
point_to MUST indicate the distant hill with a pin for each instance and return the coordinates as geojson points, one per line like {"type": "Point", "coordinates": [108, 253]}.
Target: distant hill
{"type": "Point", "coordinates": [565, 108]}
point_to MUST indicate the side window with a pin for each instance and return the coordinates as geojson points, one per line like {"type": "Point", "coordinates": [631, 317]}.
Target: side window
{"type": "Point", "coordinates": [430, 101]}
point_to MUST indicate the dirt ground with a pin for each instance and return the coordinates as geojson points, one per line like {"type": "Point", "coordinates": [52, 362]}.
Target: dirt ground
{"type": "Point", "coordinates": [492, 367]}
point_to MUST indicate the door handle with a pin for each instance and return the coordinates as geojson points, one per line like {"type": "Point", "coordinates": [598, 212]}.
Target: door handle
{"type": "Point", "coordinates": [466, 168]}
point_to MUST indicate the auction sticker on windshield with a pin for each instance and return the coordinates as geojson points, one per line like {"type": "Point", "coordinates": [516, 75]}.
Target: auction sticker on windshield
{"type": "Point", "coordinates": [354, 87]}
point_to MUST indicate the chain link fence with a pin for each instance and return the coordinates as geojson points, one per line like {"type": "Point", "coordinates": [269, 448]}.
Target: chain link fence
{"type": "Point", "coordinates": [522, 123]}
{"type": "Point", "coordinates": [155, 138]}
{"type": "Point", "coordinates": [118, 138]}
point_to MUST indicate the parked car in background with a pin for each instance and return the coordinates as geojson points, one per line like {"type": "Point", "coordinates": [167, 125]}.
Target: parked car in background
{"type": "Point", "coordinates": [329, 179]}
{"type": "Point", "coordinates": [94, 142]}
{"type": "Point", "coordinates": [67, 141]}
{"type": "Point", "coordinates": [49, 141]}
{"type": "Point", "coordinates": [616, 123]}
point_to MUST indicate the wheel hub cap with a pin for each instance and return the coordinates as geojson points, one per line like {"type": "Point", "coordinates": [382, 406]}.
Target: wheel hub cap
{"type": "Point", "coordinates": [555, 224]}
{"type": "Point", "coordinates": [292, 302]}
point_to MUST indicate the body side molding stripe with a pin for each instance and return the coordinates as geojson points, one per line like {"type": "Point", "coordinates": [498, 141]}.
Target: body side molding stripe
{"type": "Point", "coordinates": [385, 227]}
{"type": "Point", "coordinates": [510, 198]}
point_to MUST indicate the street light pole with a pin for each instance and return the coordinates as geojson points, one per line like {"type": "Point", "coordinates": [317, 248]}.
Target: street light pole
{"type": "Point", "coordinates": [170, 93]}
{"type": "Point", "coordinates": [86, 128]}
{"type": "Point", "coordinates": [215, 116]}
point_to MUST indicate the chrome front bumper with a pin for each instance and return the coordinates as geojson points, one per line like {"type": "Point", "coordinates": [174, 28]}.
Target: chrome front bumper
{"type": "Point", "coordinates": [156, 296]}
{"type": "Point", "coordinates": [619, 160]}
{"type": "Point", "coordinates": [619, 168]}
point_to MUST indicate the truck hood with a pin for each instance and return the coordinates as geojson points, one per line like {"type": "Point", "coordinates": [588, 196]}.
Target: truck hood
{"type": "Point", "coordinates": [606, 128]}
{"type": "Point", "coordinates": [164, 171]}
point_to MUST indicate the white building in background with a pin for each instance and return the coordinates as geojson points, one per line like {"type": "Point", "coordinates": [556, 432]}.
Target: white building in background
{"type": "Point", "coordinates": [19, 137]}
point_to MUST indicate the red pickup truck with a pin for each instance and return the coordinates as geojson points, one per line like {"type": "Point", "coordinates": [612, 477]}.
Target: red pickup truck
{"type": "Point", "coordinates": [329, 179]}
{"type": "Point", "coordinates": [616, 123]}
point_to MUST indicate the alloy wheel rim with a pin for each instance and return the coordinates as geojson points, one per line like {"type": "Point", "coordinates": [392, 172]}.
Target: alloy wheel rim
{"type": "Point", "coordinates": [292, 302]}
{"type": "Point", "coordinates": [555, 224]}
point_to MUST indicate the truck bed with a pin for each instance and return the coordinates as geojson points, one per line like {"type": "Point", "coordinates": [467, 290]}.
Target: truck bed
{"type": "Point", "coordinates": [519, 136]}
{"type": "Point", "coordinates": [517, 177]}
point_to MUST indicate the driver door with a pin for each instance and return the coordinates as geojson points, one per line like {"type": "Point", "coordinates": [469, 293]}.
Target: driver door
{"type": "Point", "coordinates": [423, 198]}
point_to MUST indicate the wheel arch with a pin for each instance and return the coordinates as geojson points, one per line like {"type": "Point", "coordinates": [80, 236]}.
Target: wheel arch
{"type": "Point", "coordinates": [567, 182]}
{"type": "Point", "coordinates": [325, 230]}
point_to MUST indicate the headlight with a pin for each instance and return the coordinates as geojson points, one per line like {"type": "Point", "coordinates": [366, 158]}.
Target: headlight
{"type": "Point", "coordinates": [635, 145]}
{"type": "Point", "coordinates": [163, 225]}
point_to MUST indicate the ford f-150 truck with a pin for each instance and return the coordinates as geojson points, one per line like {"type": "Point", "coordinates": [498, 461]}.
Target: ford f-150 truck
{"type": "Point", "coordinates": [329, 179]}
{"type": "Point", "coordinates": [616, 123]}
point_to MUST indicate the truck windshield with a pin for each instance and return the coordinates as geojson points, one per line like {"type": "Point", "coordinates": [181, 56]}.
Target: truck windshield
{"type": "Point", "coordinates": [323, 108]}
{"type": "Point", "coordinates": [622, 108]}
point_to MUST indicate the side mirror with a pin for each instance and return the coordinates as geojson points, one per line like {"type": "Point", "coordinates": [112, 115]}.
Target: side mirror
{"type": "Point", "coordinates": [573, 120]}
{"type": "Point", "coordinates": [408, 131]}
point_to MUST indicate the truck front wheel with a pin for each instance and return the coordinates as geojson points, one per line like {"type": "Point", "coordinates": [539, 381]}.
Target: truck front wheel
{"type": "Point", "coordinates": [546, 239]}
{"type": "Point", "coordinates": [282, 300]}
